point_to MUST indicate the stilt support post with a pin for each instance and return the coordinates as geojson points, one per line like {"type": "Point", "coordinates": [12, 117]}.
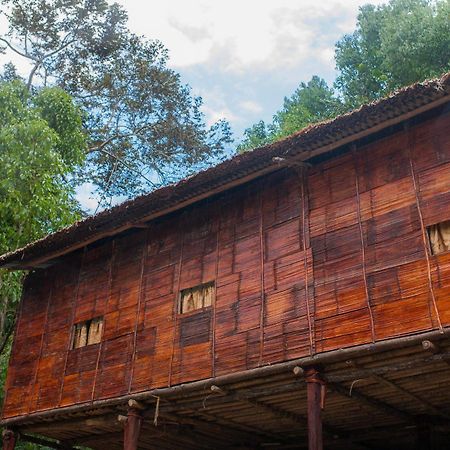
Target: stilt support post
{"type": "Point", "coordinates": [316, 401]}
{"type": "Point", "coordinates": [132, 427]}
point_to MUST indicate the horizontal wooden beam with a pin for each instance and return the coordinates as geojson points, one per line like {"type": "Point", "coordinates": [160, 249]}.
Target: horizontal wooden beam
{"type": "Point", "coordinates": [85, 423]}
{"type": "Point", "coordinates": [423, 402]}
{"type": "Point", "coordinates": [44, 442]}
{"type": "Point", "coordinates": [372, 402]}
{"type": "Point", "coordinates": [260, 372]}
{"type": "Point", "coordinates": [367, 372]}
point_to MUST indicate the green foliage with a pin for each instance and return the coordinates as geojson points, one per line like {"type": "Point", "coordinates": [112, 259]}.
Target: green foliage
{"type": "Point", "coordinates": [41, 142]}
{"type": "Point", "coordinates": [312, 102]}
{"type": "Point", "coordinates": [394, 45]}
{"type": "Point", "coordinates": [257, 135]}
{"type": "Point", "coordinates": [143, 125]}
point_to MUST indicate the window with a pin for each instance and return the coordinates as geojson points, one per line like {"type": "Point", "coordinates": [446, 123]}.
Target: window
{"type": "Point", "coordinates": [439, 236]}
{"type": "Point", "coordinates": [197, 297]}
{"type": "Point", "coordinates": [87, 333]}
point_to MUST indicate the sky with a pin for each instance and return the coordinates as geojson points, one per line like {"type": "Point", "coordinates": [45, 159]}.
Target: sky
{"type": "Point", "coordinates": [242, 56]}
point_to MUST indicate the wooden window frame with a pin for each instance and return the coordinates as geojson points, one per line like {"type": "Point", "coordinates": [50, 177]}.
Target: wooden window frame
{"type": "Point", "coordinates": [180, 309]}
{"type": "Point", "coordinates": [430, 243]}
{"type": "Point", "coordinates": [88, 323]}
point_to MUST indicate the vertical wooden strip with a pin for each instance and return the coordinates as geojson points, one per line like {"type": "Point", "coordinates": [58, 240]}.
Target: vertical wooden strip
{"type": "Point", "coordinates": [363, 244]}
{"type": "Point", "coordinates": [177, 294]}
{"type": "Point", "coordinates": [72, 318]}
{"type": "Point", "coordinates": [138, 312]}
{"type": "Point", "coordinates": [262, 260]}
{"type": "Point", "coordinates": [41, 346]}
{"type": "Point", "coordinates": [422, 225]}
{"type": "Point", "coordinates": [216, 276]}
{"type": "Point", "coordinates": [306, 245]}
{"type": "Point", "coordinates": [100, 348]}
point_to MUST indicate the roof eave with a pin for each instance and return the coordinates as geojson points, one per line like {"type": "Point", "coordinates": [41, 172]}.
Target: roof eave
{"type": "Point", "coordinates": [23, 259]}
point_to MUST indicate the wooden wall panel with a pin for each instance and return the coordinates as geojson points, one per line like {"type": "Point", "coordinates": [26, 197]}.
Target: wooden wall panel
{"type": "Point", "coordinates": [21, 394]}
{"type": "Point", "coordinates": [92, 292]}
{"type": "Point", "coordinates": [301, 264]}
{"type": "Point", "coordinates": [152, 361]}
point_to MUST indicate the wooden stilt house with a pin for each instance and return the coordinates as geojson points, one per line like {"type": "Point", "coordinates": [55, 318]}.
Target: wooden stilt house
{"type": "Point", "coordinates": [296, 296]}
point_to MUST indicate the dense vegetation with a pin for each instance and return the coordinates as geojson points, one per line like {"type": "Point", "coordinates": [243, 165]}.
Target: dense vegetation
{"type": "Point", "coordinates": [394, 45]}
{"type": "Point", "coordinates": [143, 126]}
{"type": "Point", "coordinates": [41, 142]}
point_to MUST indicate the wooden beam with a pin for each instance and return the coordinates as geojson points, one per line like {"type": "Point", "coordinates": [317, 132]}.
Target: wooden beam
{"type": "Point", "coordinates": [353, 374]}
{"type": "Point", "coordinates": [219, 424]}
{"type": "Point", "coordinates": [45, 442]}
{"type": "Point", "coordinates": [425, 403]}
{"type": "Point", "coordinates": [91, 438]}
{"type": "Point", "coordinates": [315, 393]}
{"type": "Point", "coordinates": [134, 404]}
{"type": "Point", "coordinates": [430, 347]}
{"type": "Point", "coordinates": [260, 372]}
{"type": "Point", "coordinates": [249, 396]}
{"type": "Point", "coordinates": [433, 348]}
{"type": "Point", "coordinates": [132, 428]}
{"type": "Point", "coordinates": [355, 394]}
{"type": "Point", "coordinates": [263, 406]}
{"type": "Point", "coordinates": [74, 424]}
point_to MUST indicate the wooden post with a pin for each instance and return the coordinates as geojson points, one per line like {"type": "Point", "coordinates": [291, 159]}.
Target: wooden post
{"type": "Point", "coordinates": [132, 425]}
{"type": "Point", "coordinates": [315, 387]}
{"type": "Point", "coordinates": [9, 439]}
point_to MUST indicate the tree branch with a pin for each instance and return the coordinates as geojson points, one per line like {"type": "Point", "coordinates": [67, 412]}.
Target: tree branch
{"type": "Point", "coordinates": [48, 55]}
{"type": "Point", "coordinates": [103, 144]}
{"type": "Point", "coordinates": [121, 161]}
{"type": "Point", "coordinates": [25, 55]}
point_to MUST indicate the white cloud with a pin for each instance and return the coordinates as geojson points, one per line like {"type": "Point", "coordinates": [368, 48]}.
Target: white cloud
{"type": "Point", "coordinates": [86, 196]}
{"type": "Point", "coordinates": [241, 56]}
{"type": "Point", "coordinates": [251, 32]}
{"type": "Point", "coordinates": [251, 106]}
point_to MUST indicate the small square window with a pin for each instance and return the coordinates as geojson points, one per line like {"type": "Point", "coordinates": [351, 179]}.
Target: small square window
{"type": "Point", "coordinates": [87, 332]}
{"type": "Point", "coordinates": [197, 297]}
{"type": "Point", "coordinates": [439, 236]}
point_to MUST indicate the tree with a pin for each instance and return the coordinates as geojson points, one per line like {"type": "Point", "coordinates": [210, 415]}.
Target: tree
{"type": "Point", "coordinates": [394, 45]}
{"type": "Point", "coordinates": [311, 102]}
{"type": "Point", "coordinates": [144, 126]}
{"type": "Point", "coordinates": [257, 135]}
{"type": "Point", "coordinates": [41, 142]}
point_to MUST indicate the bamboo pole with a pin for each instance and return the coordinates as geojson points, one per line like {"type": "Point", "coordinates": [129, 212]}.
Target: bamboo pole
{"type": "Point", "coordinates": [259, 372]}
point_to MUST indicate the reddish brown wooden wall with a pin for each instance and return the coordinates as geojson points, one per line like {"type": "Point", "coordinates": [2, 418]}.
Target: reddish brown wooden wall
{"type": "Point", "coordinates": [365, 275]}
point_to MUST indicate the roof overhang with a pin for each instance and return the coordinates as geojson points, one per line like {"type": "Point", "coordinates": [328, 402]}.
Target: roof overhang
{"type": "Point", "coordinates": [302, 146]}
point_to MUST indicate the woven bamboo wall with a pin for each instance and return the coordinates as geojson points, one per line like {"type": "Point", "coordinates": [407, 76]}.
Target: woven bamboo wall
{"type": "Point", "coordinates": [336, 259]}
